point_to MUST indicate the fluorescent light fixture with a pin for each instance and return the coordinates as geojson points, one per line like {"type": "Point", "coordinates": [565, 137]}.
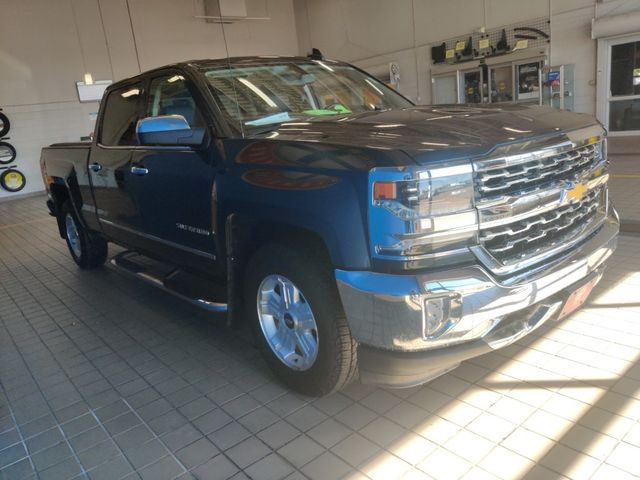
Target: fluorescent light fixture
{"type": "Point", "coordinates": [88, 79]}
{"type": "Point", "coordinates": [258, 92]}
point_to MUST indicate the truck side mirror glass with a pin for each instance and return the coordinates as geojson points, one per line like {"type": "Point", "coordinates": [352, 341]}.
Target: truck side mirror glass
{"type": "Point", "coordinates": [168, 130]}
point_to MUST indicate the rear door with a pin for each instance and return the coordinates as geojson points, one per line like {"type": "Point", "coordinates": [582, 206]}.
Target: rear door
{"type": "Point", "coordinates": [174, 184]}
{"type": "Point", "coordinates": [109, 162]}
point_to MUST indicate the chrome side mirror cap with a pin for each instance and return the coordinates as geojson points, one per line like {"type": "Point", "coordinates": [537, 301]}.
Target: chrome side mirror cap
{"type": "Point", "coordinates": [168, 130]}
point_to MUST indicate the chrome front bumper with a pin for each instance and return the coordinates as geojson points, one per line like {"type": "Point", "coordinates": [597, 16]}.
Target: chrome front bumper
{"type": "Point", "coordinates": [386, 312]}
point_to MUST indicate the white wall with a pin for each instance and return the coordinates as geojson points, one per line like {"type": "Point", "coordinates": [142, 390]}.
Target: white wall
{"type": "Point", "coordinates": [371, 33]}
{"type": "Point", "coordinates": [48, 45]}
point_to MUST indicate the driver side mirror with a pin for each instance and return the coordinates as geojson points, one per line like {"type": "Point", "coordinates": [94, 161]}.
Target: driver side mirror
{"type": "Point", "coordinates": [168, 130]}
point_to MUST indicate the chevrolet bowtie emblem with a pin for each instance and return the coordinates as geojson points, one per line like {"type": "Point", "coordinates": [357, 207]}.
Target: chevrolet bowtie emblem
{"type": "Point", "coordinates": [576, 193]}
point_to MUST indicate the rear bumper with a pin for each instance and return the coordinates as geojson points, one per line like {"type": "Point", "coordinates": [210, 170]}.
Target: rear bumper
{"type": "Point", "coordinates": [386, 312]}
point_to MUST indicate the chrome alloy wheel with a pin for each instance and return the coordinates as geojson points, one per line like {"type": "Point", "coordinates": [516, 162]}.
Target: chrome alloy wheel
{"type": "Point", "coordinates": [72, 235]}
{"type": "Point", "coordinates": [287, 322]}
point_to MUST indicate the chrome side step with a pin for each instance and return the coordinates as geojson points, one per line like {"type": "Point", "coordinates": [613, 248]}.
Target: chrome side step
{"type": "Point", "coordinates": [186, 286]}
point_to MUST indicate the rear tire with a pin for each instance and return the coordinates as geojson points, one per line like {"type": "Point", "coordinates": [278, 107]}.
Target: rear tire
{"type": "Point", "coordinates": [88, 249]}
{"type": "Point", "coordinates": [334, 363]}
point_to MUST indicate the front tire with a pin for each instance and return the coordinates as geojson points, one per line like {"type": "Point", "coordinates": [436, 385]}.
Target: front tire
{"type": "Point", "coordinates": [88, 249]}
{"type": "Point", "coordinates": [297, 319]}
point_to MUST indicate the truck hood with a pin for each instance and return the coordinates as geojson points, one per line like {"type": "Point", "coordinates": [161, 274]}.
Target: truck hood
{"type": "Point", "coordinates": [433, 133]}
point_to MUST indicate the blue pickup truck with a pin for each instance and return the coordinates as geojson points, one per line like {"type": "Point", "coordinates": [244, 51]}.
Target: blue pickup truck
{"type": "Point", "coordinates": [357, 234]}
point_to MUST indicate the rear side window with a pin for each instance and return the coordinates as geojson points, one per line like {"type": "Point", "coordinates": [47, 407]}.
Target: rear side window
{"type": "Point", "coordinates": [121, 113]}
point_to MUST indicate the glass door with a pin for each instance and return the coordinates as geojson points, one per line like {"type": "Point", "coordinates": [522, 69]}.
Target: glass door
{"type": "Point", "coordinates": [624, 85]}
{"type": "Point", "coordinates": [445, 89]}
{"type": "Point", "coordinates": [471, 86]}
{"type": "Point", "coordinates": [501, 84]}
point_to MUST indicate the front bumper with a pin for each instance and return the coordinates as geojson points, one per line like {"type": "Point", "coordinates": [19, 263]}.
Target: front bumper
{"type": "Point", "coordinates": [386, 312]}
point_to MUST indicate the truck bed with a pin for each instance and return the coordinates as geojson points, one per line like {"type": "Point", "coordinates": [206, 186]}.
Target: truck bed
{"type": "Point", "coordinates": [70, 145]}
{"type": "Point", "coordinates": [61, 159]}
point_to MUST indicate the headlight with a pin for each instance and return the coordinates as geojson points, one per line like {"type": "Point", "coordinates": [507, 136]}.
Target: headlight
{"type": "Point", "coordinates": [422, 211]}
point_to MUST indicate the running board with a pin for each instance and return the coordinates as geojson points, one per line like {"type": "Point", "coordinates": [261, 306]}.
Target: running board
{"type": "Point", "coordinates": [192, 288]}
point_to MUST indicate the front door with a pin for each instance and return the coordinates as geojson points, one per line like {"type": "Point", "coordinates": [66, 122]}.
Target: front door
{"type": "Point", "coordinates": [173, 185]}
{"type": "Point", "coordinates": [115, 205]}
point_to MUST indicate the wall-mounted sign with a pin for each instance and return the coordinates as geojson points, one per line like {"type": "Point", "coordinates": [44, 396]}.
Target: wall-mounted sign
{"type": "Point", "coordinates": [528, 76]}
{"type": "Point", "coordinates": [522, 44]}
{"type": "Point", "coordinates": [483, 43]}
{"type": "Point", "coordinates": [451, 53]}
{"type": "Point", "coordinates": [394, 75]}
{"type": "Point", "coordinates": [93, 92]}
{"type": "Point", "coordinates": [460, 46]}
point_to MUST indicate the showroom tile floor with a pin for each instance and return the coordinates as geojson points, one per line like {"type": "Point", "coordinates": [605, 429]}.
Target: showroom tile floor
{"type": "Point", "coordinates": [104, 377]}
{"type": "Point", "coordinates": [625, 178]}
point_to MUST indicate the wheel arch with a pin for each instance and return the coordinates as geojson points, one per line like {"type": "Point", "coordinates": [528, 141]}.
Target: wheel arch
{"type": "Point", "coordinates": [63, 190]}
{"type": "Point", "coordinates": [246, 234]}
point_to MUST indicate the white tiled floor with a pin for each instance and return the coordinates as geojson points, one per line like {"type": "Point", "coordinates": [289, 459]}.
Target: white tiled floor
{"type": "Point", "coordinates": [625, 187]}
{"type": "Point", "coordinates": [563, 402]}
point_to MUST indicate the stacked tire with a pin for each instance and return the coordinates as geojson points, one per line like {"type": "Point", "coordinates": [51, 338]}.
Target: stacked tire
{"type": "Point", "coordinates": [11, 179]}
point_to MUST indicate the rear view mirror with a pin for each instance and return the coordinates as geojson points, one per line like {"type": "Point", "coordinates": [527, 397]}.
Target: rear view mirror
{"type": "Point", "coordinates": [168, 130]}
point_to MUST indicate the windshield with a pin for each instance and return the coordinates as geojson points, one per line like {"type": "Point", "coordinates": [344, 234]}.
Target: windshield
{"type": "Point", "coordinates": [273, 93]}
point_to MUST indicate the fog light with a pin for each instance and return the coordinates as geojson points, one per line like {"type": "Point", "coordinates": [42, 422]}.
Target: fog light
{"type": "Point", "coordinates": [435, 315]}
{"type": "Point", "coordinates": [441, 314]}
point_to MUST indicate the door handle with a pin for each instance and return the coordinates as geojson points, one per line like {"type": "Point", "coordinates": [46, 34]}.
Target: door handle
{"type": "Point", "coordinates": [95, 167]}
{"type": "Point", "coordinates": [139, 170]}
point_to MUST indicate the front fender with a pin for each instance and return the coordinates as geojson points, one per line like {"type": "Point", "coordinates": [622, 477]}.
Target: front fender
{"type": "Point", "coordinates": [328, 204]}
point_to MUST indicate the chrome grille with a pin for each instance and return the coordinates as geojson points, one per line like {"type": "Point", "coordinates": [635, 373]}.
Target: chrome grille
{"type": "Point", "coordinates": [534, 174]}
{"type": "Point", "coordinates": [536, 234]}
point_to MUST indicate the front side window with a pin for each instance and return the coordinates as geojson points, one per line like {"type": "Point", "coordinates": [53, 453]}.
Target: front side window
{"type": "Point", "coordinates": [170, 95]}
{"type": "Point", "coordinates": [252, 96]}
{"type": "Point", "coordinates": [121, 113]}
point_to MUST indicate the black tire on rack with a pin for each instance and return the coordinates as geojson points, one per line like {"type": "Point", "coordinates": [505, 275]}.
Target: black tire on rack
{"type": "Point", "coordinates": [7, 153]}
{"type": "Point", "coordinates": [5, 125]}
{"type": "Point", "coordinates": [12, 180]}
